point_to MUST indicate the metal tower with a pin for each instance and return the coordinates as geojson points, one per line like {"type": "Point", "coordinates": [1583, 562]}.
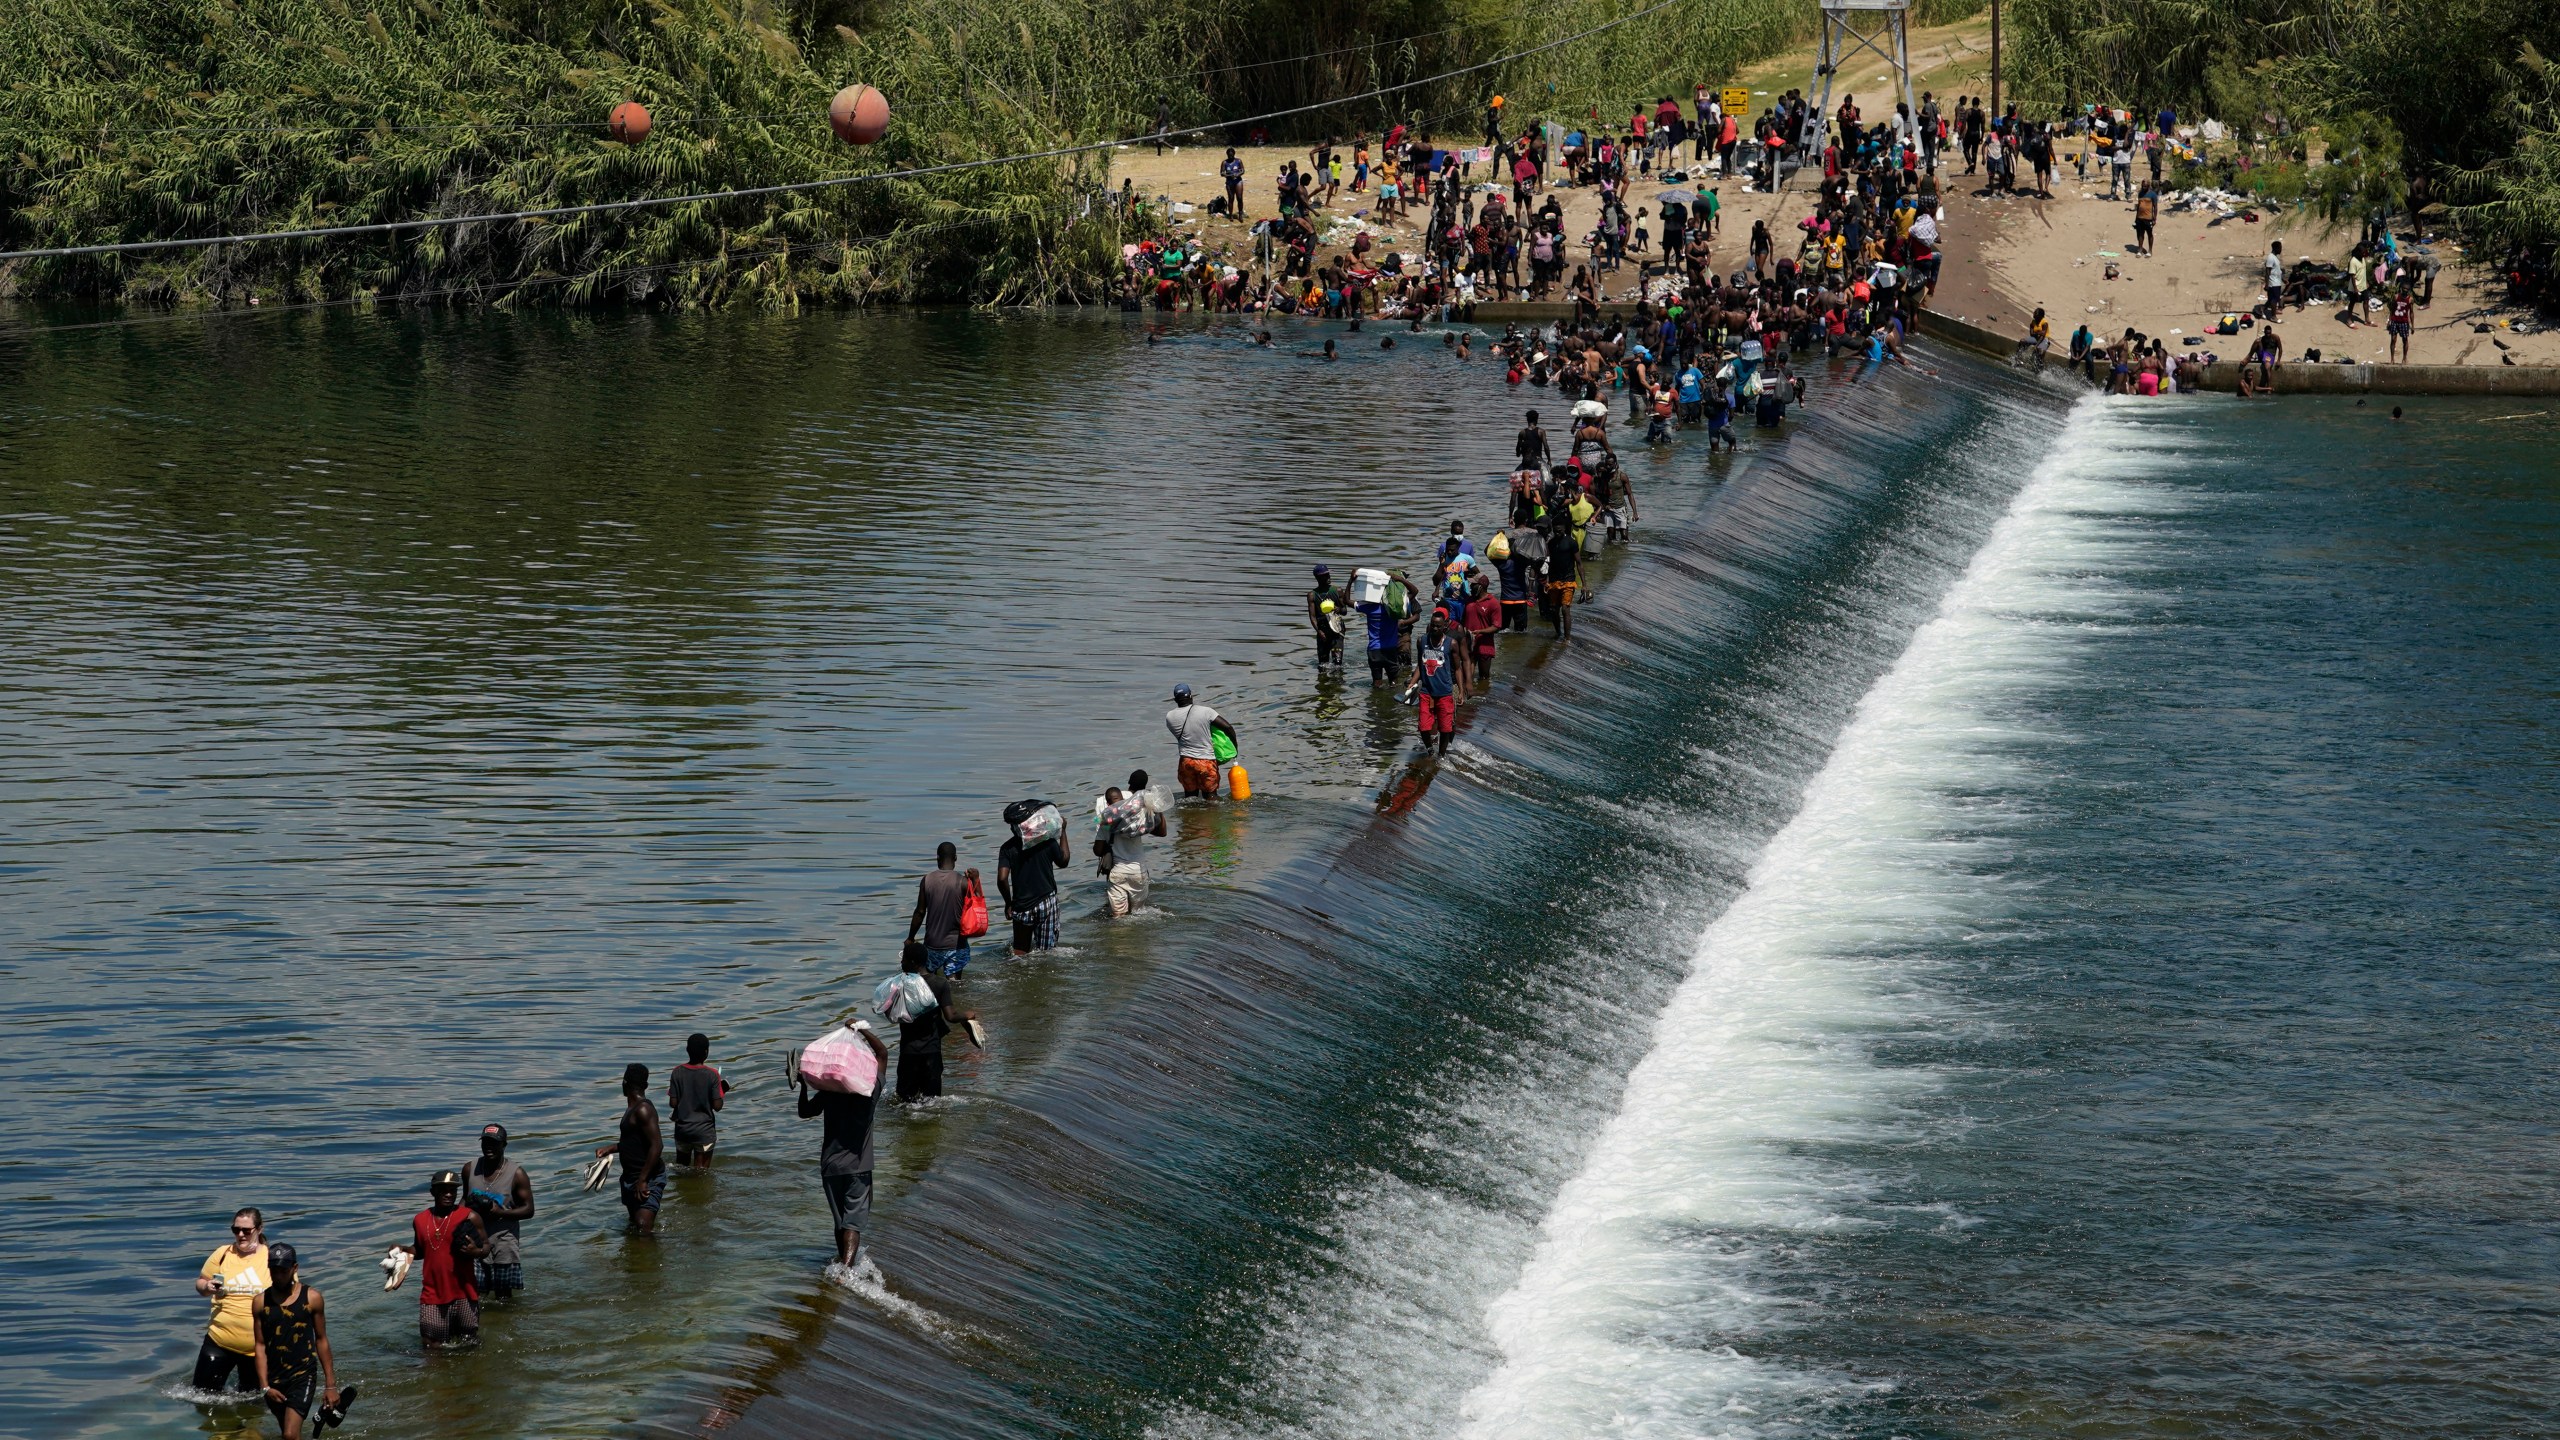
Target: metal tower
{"type": "Point", "coordinates": [1850, 26]}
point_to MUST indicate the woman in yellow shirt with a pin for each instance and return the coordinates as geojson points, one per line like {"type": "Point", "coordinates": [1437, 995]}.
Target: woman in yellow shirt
{"type": "Point", "coordinates": [233, 1277]}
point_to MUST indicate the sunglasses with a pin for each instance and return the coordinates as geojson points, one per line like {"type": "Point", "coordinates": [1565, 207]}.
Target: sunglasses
{"type": "Point", "coordinates": [244, 1229]}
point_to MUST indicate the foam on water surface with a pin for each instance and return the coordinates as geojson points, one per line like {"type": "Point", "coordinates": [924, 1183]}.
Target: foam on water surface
{"type": "Point", "coordinates": [1643, 1310]}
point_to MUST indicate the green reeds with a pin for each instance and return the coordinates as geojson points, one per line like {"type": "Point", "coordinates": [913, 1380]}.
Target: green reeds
{"type": "Point", "coordinates": [185, 118]}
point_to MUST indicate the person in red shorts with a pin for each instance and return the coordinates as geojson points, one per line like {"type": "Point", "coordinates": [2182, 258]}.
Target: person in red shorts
{"type": "Point", "coordinates": [1440, 682]}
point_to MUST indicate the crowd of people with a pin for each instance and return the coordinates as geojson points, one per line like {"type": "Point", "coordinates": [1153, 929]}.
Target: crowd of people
{"type": "Point", "coordinates": [1869, 241]}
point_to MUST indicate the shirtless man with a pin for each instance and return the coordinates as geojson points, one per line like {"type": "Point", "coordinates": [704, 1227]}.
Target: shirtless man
{"type": "Point", "coordinates": [643, 1151]}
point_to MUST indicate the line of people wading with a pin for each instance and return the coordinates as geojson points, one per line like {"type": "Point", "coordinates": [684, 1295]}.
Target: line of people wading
{"type": "Point", "coordinates": [268, 1335]}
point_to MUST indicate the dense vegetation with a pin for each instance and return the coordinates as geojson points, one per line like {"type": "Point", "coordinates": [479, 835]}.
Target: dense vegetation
{"type": "Point", "coordinates": [188, 117]}
{"type": "Point", "coordinates": [2448, 98]}
{"type": "Point", "coordinates": [123, 121]}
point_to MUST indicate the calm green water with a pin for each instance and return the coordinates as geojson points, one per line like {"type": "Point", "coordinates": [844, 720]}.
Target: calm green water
{"type": "Point", "coordinates": [2006, 921]}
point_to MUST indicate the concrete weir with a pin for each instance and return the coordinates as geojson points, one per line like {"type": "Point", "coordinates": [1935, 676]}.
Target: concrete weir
{"type": "Point", "coordinates": [2293, 377]}
{"type": "Point", "coordinates": [2298, 377]}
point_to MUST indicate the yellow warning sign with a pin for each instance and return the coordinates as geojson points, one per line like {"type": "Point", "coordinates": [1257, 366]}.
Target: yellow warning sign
{"type": "Point", "coordinates": [1737, 100]}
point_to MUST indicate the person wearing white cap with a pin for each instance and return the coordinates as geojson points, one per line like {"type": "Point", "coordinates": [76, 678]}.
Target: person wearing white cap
{"type": "Point", "coordinates": [445, 1239]}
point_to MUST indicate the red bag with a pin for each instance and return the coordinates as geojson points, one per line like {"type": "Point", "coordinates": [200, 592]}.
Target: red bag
{"type": "Point", "coordinates": [973, 912]}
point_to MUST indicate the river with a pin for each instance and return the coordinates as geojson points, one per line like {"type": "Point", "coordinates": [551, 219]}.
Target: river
{"type": "Point", "coordinates": [2010, 917]}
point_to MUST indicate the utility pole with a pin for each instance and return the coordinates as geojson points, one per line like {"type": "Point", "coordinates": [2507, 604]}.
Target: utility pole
{"type": "Point", "coordinates": [1877, 27]}
{"type": "Point", "coordinates": [1995, 59]}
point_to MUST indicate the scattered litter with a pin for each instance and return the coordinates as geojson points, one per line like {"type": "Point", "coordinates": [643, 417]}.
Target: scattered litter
{"type": "Point", "coordinates": [2223, 202]}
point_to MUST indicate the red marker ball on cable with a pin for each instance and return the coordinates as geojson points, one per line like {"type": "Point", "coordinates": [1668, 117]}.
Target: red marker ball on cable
{"type": "Point", "coordinates": [629, 122]}
{"type": "Point", "coordinates": [859, 114]}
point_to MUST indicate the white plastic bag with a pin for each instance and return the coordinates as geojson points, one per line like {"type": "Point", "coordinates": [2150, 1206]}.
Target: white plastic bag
{"type": "Point", "coordinates": [1042, 826]}
{"type": "Point", "coordinates": [903, 997]}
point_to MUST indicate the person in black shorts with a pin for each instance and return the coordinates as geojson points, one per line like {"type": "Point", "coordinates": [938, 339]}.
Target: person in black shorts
{"type": "Point", "coordinates": [696, 1091]}
{"type": "Point", "coordinates": [920, 1039]}
{"type": "Point", "coordinates": [232, 1277]}
{"type": "Point", "coordinates": [1327, 623]}
{"type": "Point", "coordinates": [643, 1149]}
{"type": "Point", "coordinates": [1027, 880]}
{"type": "Point", "coordinates": [844, 1155]}
{"type": "Point", "coordinates": [294, 1364]}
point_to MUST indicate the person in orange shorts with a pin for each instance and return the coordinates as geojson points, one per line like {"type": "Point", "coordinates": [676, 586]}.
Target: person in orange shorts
{"type": "Point", "coordinates": [1564, 575]}
{"type": "Point", "coordinates": [1195, 730]}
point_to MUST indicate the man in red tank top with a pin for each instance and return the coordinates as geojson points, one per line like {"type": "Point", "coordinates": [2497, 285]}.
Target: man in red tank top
{"type": "Point", "coordinates": [446, 1238]}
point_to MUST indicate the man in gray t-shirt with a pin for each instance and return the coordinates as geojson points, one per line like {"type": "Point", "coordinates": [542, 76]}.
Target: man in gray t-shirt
{"type": "Point", "coordinates": [941, 896]}
{"type": "Point", "coordinates": [501, 1194]}
{"type": "Point", "coordinates": [1195, 730]}
{"type": "Point", "coordinates": [696, 1093]}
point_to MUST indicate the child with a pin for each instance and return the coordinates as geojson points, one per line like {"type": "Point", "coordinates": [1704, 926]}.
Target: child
{"type": "Point", "coordinates": [1360, 167]}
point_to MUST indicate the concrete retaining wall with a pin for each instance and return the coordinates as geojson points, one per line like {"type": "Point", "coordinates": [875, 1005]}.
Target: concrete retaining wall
{"type": "Point", "coordinates": [2292, 378]}
{"type": "Point", "coordinates": [2296, 377]}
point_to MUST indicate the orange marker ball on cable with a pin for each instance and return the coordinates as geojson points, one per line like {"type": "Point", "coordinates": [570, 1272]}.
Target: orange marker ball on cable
{"type": "Point", "coordinates": [629, 122]}
{"type": "Point", "coordinates": [859, 114]}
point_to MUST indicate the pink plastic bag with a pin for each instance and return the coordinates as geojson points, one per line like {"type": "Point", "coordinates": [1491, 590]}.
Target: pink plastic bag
{"type": "Point", "coordinates": [841, 1061]}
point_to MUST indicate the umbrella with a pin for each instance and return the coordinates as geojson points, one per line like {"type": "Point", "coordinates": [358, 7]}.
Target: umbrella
{"type": "Point", "coordinates": [1677, 197]}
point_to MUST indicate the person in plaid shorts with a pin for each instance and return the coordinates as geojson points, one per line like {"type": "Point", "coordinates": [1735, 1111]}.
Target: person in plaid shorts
{"type": "Point", "coordinates": [1027, 879]}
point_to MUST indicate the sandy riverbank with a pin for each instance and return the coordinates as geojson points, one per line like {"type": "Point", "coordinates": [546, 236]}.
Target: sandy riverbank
{"type": "Point", "coordinates": [2055, 253]}
{"type": "Point", "coordinates": [2004, 257]}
